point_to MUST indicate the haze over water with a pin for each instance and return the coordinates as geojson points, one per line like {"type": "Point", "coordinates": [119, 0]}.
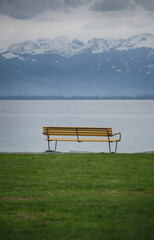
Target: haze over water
{"type": "Point", "coordinates": [21, 123]}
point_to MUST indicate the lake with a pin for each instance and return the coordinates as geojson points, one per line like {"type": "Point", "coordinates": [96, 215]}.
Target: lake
{"type": "Point", "coordinates": [21, 123]}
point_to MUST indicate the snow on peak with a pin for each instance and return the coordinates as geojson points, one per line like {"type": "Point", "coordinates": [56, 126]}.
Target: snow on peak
{"type": "Point", "coordinates": [9, 55]}
{"type": "Point", "coordinates": [99, 45]}
{"type": "Point", "coordinates": [137, 41]}
{"type": "Point", "coordinates": [96, 45]}
{"type": "Point", "coordinates": [64, 46]}
{"type": "Point", "coordinates": [61, 45]}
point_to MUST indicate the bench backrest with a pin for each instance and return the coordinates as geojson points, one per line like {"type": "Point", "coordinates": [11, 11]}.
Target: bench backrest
{"type": "Point", "coordinates": [77, 131]}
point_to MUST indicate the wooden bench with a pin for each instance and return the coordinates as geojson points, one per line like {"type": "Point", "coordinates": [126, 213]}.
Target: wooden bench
{"type": "Point", "coordinates": [81, 134]}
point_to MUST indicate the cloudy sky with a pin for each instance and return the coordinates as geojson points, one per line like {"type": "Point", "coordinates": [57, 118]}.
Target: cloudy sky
{"type": "Point", "coordinates": [22, 20]}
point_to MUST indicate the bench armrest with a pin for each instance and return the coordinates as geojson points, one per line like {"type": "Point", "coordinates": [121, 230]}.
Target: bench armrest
{"type": "Point", "coordinates": [119, 135]}
{"type": "Point", "coordinates": [116, 133]}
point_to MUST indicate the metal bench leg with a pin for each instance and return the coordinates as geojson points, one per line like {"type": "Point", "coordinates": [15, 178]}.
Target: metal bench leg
{"type": "Point", "coordinates": [116, 147]}
{"type": "Point", "coordinates": [55, 145]}
{"type": "Point", "coordinates": [109, 147]}
{"type": "Point", "coordinates": [48, 145]}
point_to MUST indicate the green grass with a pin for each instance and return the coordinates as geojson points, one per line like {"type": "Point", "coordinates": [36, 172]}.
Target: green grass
{"type": "Point", "coordinates": [77, 196]}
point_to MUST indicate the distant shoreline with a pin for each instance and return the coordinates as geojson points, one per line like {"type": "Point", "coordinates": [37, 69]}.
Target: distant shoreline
{"type": "Point", "coordinates": [142, 97]}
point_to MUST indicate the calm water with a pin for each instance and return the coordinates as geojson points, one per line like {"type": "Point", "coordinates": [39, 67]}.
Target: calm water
{"type": "Point", "coordinates": [21, 123]}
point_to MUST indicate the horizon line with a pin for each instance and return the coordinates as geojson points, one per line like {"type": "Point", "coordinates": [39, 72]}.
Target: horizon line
{"type": "Point", "coordinates": [96, 97]}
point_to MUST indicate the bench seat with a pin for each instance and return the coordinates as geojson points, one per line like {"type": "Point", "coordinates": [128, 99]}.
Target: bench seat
{"type": "Point", "coordinates": [83, 139]}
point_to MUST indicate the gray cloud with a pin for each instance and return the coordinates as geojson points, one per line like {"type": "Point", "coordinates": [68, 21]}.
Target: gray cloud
{"type": "Point", "coordinates": [27, 9]}
{"type": "Point", "coordinates": [22, 9]}
{"type": "Point", "coordinates": [75, 3]}
{"type": "Point", "coordinates": [115, 5]}
{"type": "Point", "coordinates": [111, 5]}
{"type": "Point", "coordinates": [146, 4]}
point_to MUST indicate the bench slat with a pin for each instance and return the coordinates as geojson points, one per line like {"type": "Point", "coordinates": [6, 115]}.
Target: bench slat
{"type": "Point", "coordinates": [80, 135]}
{"type": "Point", "coordinates": [83, 139]}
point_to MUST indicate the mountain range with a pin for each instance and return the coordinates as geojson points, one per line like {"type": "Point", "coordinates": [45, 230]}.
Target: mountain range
{"type": "Point", "coordinates": [61, 66]}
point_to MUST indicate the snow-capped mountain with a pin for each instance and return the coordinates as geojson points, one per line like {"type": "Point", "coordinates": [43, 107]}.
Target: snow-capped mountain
{"type": "Point", "coordinates": [69, 67]}
{"type": "Point", "coordinates": [96, 45]}
{"type": "Point", "coordinates": [99, 45]}
{"type": "Point", "coordinates": [138, 41]}
{"type": "Point", "coordinates": [66, 47]}
{"type": "Point", "coordinates": [62, 46]}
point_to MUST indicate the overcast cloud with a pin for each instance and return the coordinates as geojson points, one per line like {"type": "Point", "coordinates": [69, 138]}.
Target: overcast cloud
{"type": "Point", "coordinates": [27, 9]}
{"type": "Point", "coordinates": [111, 5]}
{"type": "Point", "coordinates": [83, 19]}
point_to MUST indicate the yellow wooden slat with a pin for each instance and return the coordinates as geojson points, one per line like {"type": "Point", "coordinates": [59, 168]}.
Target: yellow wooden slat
{"type": "Point", "coordinates": [94, 133]}
{"type": "Point", "coordinates": [80, 134]}
{"type": "Point", "coordinates": [63, 134]}
{"type": "Point", "coordinates": [74, 129]}
{"type": "Point", "coordinates": [83, 139]}
{"type": "Point", "coordinates": [78, 127]}
{"type": "Point", "coordinates": [59, 131]}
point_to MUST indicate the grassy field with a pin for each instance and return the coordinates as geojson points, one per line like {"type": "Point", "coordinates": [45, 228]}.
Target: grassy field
{"type": "Point", "coordinates": [77, 196]}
